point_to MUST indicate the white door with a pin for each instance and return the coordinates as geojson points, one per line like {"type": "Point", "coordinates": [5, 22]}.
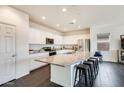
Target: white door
{"type": "Point", "coordinates": [7, 53]}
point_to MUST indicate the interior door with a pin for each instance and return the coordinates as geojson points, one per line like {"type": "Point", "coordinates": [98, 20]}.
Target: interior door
{"type": "Point", "coordinates": [1, 56]}
{"type": "Point", "coordinates": [7, 53]}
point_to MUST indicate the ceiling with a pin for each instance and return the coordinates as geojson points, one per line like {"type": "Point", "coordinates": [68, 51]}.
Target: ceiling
{"type": "Point", "coordinates": [85, 15]}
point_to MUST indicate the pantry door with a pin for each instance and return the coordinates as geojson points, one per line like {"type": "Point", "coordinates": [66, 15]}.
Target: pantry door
{"type": "Point", "coordinates": [7, 53]}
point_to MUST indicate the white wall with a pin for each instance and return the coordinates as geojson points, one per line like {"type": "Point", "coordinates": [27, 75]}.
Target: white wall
{"type": "Point", "coordinates": [115, 31]}
{"type": "Point", "coordinates": [21, 20]}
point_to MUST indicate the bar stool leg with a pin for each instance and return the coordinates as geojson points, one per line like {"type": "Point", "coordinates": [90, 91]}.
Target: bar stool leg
{"type": "Point", "coordinates": [75, 77]}
{"type": "Point", "coordinates": [86, 79]}
{"type": "Point", "coordinates": [90, 79]}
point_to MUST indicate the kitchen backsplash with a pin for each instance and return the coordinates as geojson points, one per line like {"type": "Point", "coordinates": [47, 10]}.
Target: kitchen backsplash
{"type": "Point", "coordinates": [37, 48]}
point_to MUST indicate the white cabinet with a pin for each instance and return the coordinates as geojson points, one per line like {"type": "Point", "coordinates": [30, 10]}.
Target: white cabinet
{"type": "Point", "coordinates": [73, 39]}
{"type": "Point", "coordinates": [43, 38]}
{"type": "Point", "coordinates": [57, 39]}
{"type": "Point", "coordinates": [70, 40]}
{"type": "Point", "coordinates": [34, 64]}
{"type": "Point", "coordinates": [35, 36]}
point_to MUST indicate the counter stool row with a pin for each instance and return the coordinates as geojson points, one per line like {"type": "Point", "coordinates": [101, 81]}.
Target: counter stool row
{"type": "Point", "coordinates": [86, 72]}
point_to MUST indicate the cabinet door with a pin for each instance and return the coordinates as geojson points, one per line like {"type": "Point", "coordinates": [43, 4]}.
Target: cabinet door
{"type": "Point", "coordinates": [35, 36]}
{"type": "Point", "coordinates": [57, 39]}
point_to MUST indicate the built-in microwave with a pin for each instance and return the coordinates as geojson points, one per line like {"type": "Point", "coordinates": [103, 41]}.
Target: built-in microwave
{"type": "Point", "coordinates": [49, 41]}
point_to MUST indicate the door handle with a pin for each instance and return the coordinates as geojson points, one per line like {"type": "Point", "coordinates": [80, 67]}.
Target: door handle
{"type": "Point", "coordinates": [14, 55]}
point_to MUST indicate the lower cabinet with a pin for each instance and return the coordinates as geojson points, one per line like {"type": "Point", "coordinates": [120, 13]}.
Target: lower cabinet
{"type": "Point", "coordinates": [35, 64]}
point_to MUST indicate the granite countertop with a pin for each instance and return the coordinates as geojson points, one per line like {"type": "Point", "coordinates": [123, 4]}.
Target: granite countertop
{"type": "Point", "coordinates": [64, 59]}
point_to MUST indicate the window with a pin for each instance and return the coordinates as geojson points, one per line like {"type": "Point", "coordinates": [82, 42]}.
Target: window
{"type": "Point", "coordinates": [103, 46]}
{"type": "Point", "coordinates": [103, 41]}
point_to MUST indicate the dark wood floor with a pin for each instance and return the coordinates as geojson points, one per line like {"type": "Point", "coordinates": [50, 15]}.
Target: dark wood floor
{"type": "Point", "coordinates": [39, 77]}
{"type": "Point", "coordinates": [110, 75]}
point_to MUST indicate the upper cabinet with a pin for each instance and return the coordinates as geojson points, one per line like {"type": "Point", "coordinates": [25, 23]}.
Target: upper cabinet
{"type": "Point", "coordinates": [69, 40]}
{"type": "Point", "coordinates": [37, 36]}
{"type": "Point", "coordinates": [57, 39]}
{"type": "Point", "coordinates": [73, 39]}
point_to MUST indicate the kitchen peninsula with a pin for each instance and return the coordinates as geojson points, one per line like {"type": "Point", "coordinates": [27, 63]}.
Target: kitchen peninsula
{"type": "Point", "coordinates": [63, 67]}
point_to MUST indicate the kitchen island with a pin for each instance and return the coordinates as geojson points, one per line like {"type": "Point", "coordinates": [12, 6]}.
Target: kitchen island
{"type": "Point", "coordinates": [63, 67]}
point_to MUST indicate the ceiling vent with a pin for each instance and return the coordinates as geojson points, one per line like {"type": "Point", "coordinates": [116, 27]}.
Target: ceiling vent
{"type": "Point", "coordinates": [72, 23]}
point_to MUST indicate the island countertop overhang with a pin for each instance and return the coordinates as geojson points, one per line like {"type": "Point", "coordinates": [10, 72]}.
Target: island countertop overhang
{"type": "Point", "coordinates": [64, 59]}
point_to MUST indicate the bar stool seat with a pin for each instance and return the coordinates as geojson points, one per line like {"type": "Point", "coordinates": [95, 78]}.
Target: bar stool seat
{"type": "Point", "coordinates": [94, 58]}
{"type": "Point", "coordinates": [97, 61]}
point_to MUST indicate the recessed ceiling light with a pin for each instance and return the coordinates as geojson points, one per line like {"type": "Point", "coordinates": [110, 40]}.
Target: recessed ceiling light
{"type": "Point", "coordinates": [43, 17]}
{"type": "Point", "coordinates": [64, 9]}
{"type": "Point", "coordinates": [57, 25]}
{"type": "Point", "coordinates": [79, 26]}
{"type": "Point", "coordinates": [74, 20]}
{"type": "Point", "coordinates": [65, 29]}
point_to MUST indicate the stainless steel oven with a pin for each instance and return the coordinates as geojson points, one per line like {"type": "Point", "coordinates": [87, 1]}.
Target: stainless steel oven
{"type": "Point", "coordinates": [51, 53]}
